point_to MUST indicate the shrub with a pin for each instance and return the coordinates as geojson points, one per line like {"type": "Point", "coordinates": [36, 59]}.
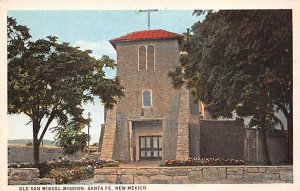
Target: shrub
{"type": "Point", "coordinates": [65, 175]}
{"type": "Point", "coordinates": [205, 161]}
{"type": "Point", "coordinates": [66, 171]}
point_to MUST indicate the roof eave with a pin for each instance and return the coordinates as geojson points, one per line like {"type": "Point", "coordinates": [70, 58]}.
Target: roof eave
{"type": "Point", "coordinates": [114, 42]}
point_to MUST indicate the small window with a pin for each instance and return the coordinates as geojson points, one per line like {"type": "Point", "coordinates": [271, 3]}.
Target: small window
{"type": "Point", "coordinates": [147, 102]}
{"type": "Point", "coordinates": [150, 57]}
{"type": "Point", "coordinates": [142, 58]}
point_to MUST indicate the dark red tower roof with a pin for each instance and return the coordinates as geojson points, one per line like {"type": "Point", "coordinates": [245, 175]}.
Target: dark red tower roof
{"type": "Point", "coordinates": [146, 35]}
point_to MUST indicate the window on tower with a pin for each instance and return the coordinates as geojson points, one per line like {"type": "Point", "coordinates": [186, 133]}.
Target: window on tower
{"type": "Point", "coordinates": [142, 58]}
{"type": "Point", "coordinates": [150, 57]}
{"type": "Point", "coordinates": [146, 57]}
{"type": "Point", "coordinates": [147, 100]}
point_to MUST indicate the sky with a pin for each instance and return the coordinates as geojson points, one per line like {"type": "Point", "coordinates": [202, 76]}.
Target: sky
{"type": "Point", "coordinates": [91, 30]}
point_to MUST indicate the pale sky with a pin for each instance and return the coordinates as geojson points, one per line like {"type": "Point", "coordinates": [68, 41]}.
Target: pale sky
{"type": "Point", "coordinates": [91, 30]}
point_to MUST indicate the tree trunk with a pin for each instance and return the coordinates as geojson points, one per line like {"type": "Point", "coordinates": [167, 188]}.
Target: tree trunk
{"type": "Point", "coordinates": [290, 137]}
{"type": "Point", "coordinates": [36, 145]}
{"type": "Point", "coordinates": [265, 150]}
{"type": "Point", "coordinates": [264, 128]}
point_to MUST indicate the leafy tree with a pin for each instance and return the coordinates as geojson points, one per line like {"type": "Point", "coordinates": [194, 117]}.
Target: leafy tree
{"type": "Point", "coordinates": [241, 62]}
{"type": "Point", "coordinates": [70, 136]}
{"type": "Point", "coordinates": [49, 80]}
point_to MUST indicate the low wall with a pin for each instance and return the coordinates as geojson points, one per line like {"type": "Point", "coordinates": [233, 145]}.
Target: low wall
{"type": "Point", "coordinates": [195, 175]}
{"type": "Point", "coordinates": [27, 176]}
{"type": "Point", "coordinates": [22, 153]}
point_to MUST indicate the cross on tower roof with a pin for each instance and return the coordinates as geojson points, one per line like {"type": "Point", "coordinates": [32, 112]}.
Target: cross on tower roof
{"type": "Point", "coordinates": [148, 11]}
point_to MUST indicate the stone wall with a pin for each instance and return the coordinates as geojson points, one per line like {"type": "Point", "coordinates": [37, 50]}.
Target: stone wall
{"type": "Point", "coordinates": [195, 175]}
{"type": "Point", "coordinates": [121, 139]}
{"type": "Point", "coordinates": [116, 138]}
{"type": "Point", "coordinates": [22, 153]}
{"type": "Point", "coordinates": [168, 104]}
{"type": "Point", "coordinates": [221, 138]}
{"type": "Point", "coordinates": [26, 176]}
{"type": "Point", "coordinates": [183, 122]}
{"type": "Point", "coordinates": [101, 137]}
{"type": "Point", "coordinates": [156, 81]}
{"type": "Point", "coordinates": [170, 129]}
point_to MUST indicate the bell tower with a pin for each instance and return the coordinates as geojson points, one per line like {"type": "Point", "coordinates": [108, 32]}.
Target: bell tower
{"type": "Point", "coordinates": [153, 120]}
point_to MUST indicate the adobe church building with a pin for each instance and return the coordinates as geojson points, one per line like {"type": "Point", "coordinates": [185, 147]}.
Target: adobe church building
{"type": "Point", "coordinates": [154, 121]}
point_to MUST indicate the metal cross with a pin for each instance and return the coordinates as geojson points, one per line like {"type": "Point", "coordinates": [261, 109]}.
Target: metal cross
{"type": "Point", "coordinates": [148, 11]}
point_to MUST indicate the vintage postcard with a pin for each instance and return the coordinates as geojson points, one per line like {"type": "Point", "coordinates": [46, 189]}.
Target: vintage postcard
{"type": "Point", "coordinates": [130, 96]}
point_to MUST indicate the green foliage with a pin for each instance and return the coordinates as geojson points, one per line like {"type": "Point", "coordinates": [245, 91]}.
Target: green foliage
{"type": "Point", "coordinates": [240, 61]}
{"type": "Point", "coordinates": [65, 171]}
{"type": "Point", "coordinates": [51, 80]}
{"type": "Point", "coordinates": [44, 168]}
{"type": "Point", "coordinates": [70, 137]}
{"type": "Point", "coordinates": [64, 176]}
{"type": "Point", "coordinates": [205, 161]}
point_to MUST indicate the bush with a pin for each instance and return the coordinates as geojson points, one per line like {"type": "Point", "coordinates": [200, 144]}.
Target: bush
{"type": "Point", "coordinates": [44, 168]}
{"type": "Point", "coordinates": [65, 175]}
{"type": "Point", "coordinates": [66, 171]}
{"type": "Point", "coordinates": [205, 161]}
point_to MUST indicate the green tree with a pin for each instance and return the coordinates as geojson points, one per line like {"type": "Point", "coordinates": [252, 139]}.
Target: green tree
{"type": "Point", "coordinates": [48, 80]}
{"type": "Point", "coordinates": [70, 136]}
{"type": "Point", "coordinates": [241, 62]}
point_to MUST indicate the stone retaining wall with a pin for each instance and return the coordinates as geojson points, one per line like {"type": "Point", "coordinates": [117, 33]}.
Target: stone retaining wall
{"type": "Point", "coordinates": [27, 176]}
{"type": "Point", "coordinates": [195, 175]}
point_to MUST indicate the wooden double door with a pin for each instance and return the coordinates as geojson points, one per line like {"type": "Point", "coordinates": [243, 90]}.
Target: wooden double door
{"type": "Point", "coordinates": [151, 147]}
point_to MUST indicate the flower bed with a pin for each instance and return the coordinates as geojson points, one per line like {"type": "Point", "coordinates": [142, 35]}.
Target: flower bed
{"type": "Point", "coordinates": [66, 171]}
{"type": "Point", "coordinates": [68, 175]}
{"type": "Point", "coordinates": [205, 161]}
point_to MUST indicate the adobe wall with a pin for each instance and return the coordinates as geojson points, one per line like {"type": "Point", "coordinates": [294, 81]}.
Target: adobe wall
{"type": "Point", "coordinates": [277, 147]}
{"type": "Point", "coordinates": [22, 153]}
{"type": "Point", "coordinates": [196, 175]}
{"type": "Point", "coordinates": [223, 139]}
{"type": "Point", "coordinates": [194, 107]}
{"type": "Point", "coordinates": [194, 139]}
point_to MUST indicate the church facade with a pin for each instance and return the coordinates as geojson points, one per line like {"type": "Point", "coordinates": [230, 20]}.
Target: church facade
{"type": "Point", "coordinates": [152, 120]}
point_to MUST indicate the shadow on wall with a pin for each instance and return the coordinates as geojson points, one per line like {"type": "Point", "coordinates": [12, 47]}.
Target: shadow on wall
{"type": "Point", "coordinates": [277, 145]}
{"type": "Point", "coordinates": [230, 139]}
